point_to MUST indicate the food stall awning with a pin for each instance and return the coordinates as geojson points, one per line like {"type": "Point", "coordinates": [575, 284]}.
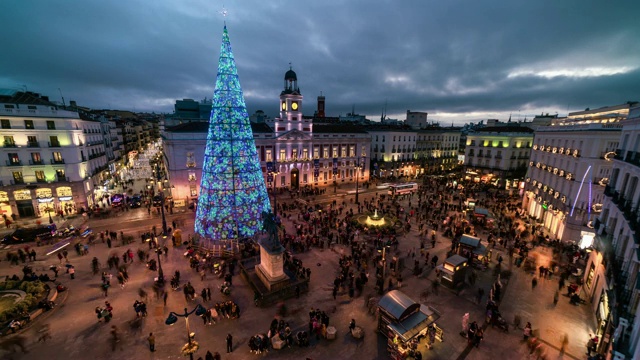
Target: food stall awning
{"type": "Point", "coordinates": [398, 304]}
{"type": "Point", "coordinates": [481, 212]}
{"type": "Point", "coordinates": [415, 323]}
{"type": "Point", "coordinates": [470, 241]}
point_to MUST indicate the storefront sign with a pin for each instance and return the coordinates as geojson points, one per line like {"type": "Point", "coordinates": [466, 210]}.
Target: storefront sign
{"type": "Point", "coordinates": [64, 198]}
{"type": "Point", "coordinates": [4, 197]}
{"type": "Point", "coordinates": [63, 191]}
{"type": "Point", "coordinates": [179, 203]}
{"type": "Point", "coordinates": [22, 195]}
{"type": "Point", "coordinates": [45, 200]}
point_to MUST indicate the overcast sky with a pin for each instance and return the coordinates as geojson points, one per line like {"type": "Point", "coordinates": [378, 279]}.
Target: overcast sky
{"type": "Point", "coordinates": [458, 60]}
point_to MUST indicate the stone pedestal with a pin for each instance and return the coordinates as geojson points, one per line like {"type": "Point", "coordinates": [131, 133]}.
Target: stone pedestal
{"type": "Point", "coordinates": [271, 267]}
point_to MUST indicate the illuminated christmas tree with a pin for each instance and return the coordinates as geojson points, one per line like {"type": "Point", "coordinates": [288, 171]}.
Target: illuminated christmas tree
{"type": "Point", "coordinates": [233, 194]}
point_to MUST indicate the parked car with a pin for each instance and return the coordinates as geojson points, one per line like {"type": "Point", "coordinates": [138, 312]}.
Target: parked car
{"type": "Point", "coordinates": [135, 201]}
{"type": "Point", "coordinates": [24, 235]}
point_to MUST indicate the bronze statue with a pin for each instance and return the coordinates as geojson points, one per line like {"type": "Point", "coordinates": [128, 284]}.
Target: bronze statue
{"type": "Point", "coordinates": [270, 226]}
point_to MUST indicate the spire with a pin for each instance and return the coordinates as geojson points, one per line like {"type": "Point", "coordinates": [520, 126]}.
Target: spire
{"type": "Point", "coordinates": [233, 194]}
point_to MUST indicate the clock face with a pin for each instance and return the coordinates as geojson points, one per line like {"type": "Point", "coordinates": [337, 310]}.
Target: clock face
{"type": "Point", "coordinates": [284, 105]}
{"type": "Point", "coordinates": [294, 106]}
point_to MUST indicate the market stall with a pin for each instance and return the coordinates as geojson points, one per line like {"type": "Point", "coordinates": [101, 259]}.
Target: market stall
{"type": "Point", "coordinates": [472, 248]}
{"type": "Point", "coordinates": [454, 271]}
{"type": "Point", "coordinates": [405, 322]}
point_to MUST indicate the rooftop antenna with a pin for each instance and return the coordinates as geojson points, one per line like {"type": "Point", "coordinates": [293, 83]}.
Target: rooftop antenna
{"type": "Point", "coordinates": [63, 103]}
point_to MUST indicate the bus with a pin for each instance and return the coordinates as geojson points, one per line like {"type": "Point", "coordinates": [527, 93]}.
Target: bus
{"type": "Point", "coordinates": [401, 189]}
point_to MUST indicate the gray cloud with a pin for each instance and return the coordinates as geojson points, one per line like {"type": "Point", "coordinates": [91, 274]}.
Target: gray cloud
{"type": "Point", "coordinates": [458, 60]}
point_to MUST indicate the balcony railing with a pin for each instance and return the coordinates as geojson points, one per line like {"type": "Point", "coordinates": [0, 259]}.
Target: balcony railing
{"type": "Point", "coordinates": [17, 182]}
{"type": "Point", "coordinates": [57, 161]}
{"type": "Point", "coordinates": [33, 144]}
{"type": "Point", "coordinates": [14, 163]}
{"type": "Point", "coordinates": [10, 144]}
{"type": "Point", "coordinates": [61, 179]}
{"type": "Point", "coordinates": [498, 156]}
{"type": "Point", "coordinates": [36, 162]}
{"type": "Point", "coordinates": [53, 144]}
{"type": "Point", "coordinates": [608, 191]}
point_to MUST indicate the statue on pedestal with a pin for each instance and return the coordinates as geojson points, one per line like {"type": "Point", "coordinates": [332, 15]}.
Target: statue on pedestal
{"type": "Point", "coordinates": [270, 226]}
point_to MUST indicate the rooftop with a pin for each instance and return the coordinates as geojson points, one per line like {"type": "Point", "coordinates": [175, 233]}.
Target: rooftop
{"type": "Point", "coordinates": [203, 127]}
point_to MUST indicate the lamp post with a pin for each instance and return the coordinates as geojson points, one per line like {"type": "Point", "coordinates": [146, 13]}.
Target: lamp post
{"type": "Point", "coordinates": [159, 252]}
{"type": "Point", "coordinates": [164, 220]}
{"type": "Point", "coordinates": [384, 267]}
{"type": "Point", "coordinates": [274, 174]}
{"type": "Point", "coordinates": [358, 167]}
{"type": "Point", "coordinates": [173, 318]}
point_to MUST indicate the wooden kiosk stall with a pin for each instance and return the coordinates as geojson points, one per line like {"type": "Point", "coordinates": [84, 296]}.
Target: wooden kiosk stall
{"type": "Point", "coordinates": [472, 248]}
{"type": "Point", "coordinates": [454, 271]}
{"type": "Point", "coordinates": [404, 322]}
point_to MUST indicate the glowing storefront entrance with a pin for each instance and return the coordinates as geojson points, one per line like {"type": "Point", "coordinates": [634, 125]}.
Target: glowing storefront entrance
{"type": "Point", "coordinates": [24, 202]}
{"type": "Point", "coordinates": [44, 197]}
{"type": "Point", "coordinates": [5, 208]}
{"type": "Point", "coordinates": [65, 199]}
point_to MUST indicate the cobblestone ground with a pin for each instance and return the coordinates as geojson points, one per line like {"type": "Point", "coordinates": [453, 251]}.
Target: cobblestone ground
{"type": "Point", "coordinates": [78, 335]}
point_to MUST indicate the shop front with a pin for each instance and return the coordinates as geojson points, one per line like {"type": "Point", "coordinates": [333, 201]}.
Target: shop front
{"type": "Point", "coordinates": [5, 206]}
{"type": "Point", "coordinates": [405, 323]}
{"type": "Point", "coordinates": [44, 198]}
{"type": "Point", "coordinates": [24, 202]}
{"type": "Point", "coordinates": [65, 200]}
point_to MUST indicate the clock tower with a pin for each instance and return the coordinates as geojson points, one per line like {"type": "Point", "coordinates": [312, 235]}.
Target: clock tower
{"type": "Point", "coordinates": [291, 107]}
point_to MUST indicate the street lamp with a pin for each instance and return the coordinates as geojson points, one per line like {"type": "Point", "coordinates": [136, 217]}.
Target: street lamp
{"type": "Point", "coordinates": [384, 266]}
{"type": "Point", "coordinates": [274, 173]}
{"type": "Point", "coordinates": [159, 252]}
{"type": "Point", "coordinates": [159, 178]}
{"type": "Point", "coordinates": [358, 167]}
{"type": "Point", "coordinates": [173, 318]}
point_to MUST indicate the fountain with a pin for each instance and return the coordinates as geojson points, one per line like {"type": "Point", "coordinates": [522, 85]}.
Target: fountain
{"type": "Point", "coordinates": [375, 219]}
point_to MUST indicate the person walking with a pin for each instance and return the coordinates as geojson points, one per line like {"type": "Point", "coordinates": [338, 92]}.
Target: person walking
{"type": "Point", "coordinates": [534, 283]}
{"type": "Point", "coordinates": [152, 342]}
{"type": "Point", "coordinates": [229, 343]}
{"type": "Point", "coordinates": [555, 298]}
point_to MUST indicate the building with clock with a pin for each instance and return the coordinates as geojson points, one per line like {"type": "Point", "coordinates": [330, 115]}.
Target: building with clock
{"type": "Point", "coordinates": [293, 152]}
{"type": "Point", "coordinates": [570, 166]}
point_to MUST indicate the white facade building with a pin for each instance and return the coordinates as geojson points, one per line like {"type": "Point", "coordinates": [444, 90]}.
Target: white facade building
{"type": "Point", "coordinates": [612, 275]}
{"type": "Point", "coordinates": [50, 157]}
{"type": "Point", "coordinates": [393, 151]}
{"type": "Point", "coordinates": [498, 155]}
{"type": "Point", "coordinates": [569, 167]}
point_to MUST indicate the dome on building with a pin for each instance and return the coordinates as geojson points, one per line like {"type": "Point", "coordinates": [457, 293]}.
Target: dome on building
{"type": "Point", "coordinates": [291, 75]}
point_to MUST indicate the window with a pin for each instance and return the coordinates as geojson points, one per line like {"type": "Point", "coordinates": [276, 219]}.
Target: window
{"type": "Point", "coordinates": [60, 174]}
{"type": "Point", "coordinates": [14, 159]}
{"type": "Point", "coordinates": [294, 154]}
{"type": "Point", "coordinates": [57, 157]}
{"type": "Point", "coordinates": [51, 125]}
{"type": "Point", "coordinates": [32, 141]}
{"type": "Point", "coordinates": [382, 138]}
{"type": "Point", "coordinates": [6, 124]}
{"type": "Point", "coordinates": [8, 141]}
{"type": "Point", "coordinates": [394, 138]}
{"type": "Point", "coordinates": [53, 141]}
{"type": "Point", "coordinates": [305, 153]}
{"type": "Point", "coordinates": [335, 151]}
{"type": "Point", "coordinates": [40, 176]}
{"type": "Point", "coordinates": [35, 158]}
{"type": "Point", "coordinates": [28, 124]}
{"type": "Point", "coordinates": [325, 152]}
{"type": "Point", "coordinates": [283, 155]}
{"type": "Point", "coordinates": [269, 155]}
{"type": "Point", "coordinates": [17, 177]}
{"type": "Point", "coordinates": [316, 153]}
{"type": "Point", "coordinates": [352, 151]}
{"type": "Point", "coordinates": [343, 151]}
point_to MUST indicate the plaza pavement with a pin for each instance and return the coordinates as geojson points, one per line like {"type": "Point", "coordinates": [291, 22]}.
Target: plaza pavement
{"type": "Point", "coordinates": [78, 335]}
